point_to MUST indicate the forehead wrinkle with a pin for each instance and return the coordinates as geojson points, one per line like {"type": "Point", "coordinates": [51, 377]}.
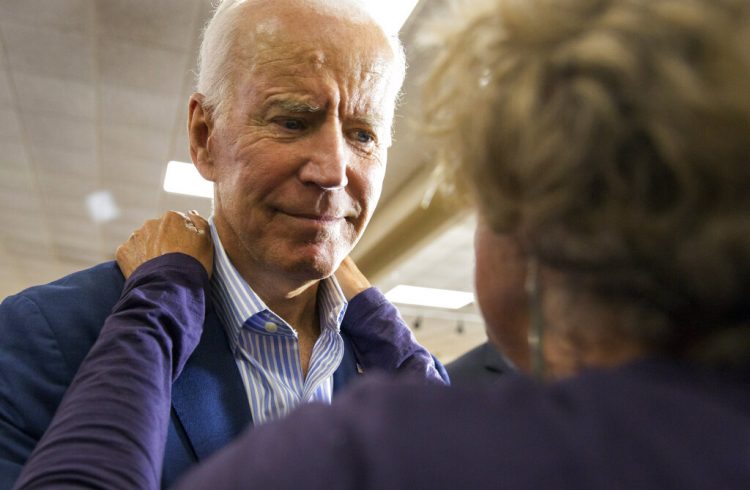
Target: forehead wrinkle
{"type": "Point", "coordinates": [287, 52]}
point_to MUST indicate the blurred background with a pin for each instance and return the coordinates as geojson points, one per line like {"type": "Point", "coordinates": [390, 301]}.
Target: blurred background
{"type": "Point", "coordinates": [93, 107]}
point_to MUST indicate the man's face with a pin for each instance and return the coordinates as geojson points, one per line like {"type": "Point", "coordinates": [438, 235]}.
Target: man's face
{"type": "Point", "coordinates": [299, 156]}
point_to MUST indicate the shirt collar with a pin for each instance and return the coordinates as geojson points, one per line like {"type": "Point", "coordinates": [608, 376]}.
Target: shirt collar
{"type": "Point", "coordinates": [237, 303]}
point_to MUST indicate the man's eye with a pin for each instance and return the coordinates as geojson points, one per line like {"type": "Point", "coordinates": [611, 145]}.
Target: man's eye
{"type": "Point", "coordinates": [293, 124]}
{"type": "Point", "coordinates": [364, 136]}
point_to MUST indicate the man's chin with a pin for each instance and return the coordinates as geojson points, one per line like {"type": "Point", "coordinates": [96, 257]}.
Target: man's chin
{"type": "Point", "coordinates": [313, 267]}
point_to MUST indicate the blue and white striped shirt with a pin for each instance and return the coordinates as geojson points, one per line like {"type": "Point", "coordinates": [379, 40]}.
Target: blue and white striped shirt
{"type": "Point", "coordinates": [266, 347]}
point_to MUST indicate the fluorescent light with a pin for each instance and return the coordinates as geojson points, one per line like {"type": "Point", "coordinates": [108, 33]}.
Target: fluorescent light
{"type": "Point", "coordinates": [439, 298]}
{"type": "Point", "coordinates": [392, 14]}
{"type": "Point", "coordinates": [102, 206]}
{"type": "Point", "coordinates": [183, 178]}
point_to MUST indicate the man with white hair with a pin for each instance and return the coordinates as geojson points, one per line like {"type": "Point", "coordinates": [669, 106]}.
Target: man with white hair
{"type": "Point", "coordinates": [291, 121]}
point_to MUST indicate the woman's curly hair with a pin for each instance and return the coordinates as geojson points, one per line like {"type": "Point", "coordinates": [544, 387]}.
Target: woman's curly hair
{"type": "Point", "coordinates": [613, 137]}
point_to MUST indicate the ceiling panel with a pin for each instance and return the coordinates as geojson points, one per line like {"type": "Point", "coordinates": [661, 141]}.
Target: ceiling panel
{"type": "Point", "coordinates": [74, 163]}
{"type": "Point", "coordinates": [134, 196]}
{"type": "Point", "coordinates": [14, 200]}
{"type": "Point", "coordinates": [7, 264]}
{"type": "Point", "coordinates": [48, 52]}
{"type": "Point", "coordinates": [6, 96]}
{"type": "Point", "coordinates": [86, 240]}
{"type": "Point", "coordinates": [10, 126]}
{"type": "Point", "coordinates": [143, 143]}
{"type": "Point", "coordinates": [14, 154]}
{"type": "Point", "coordinates": [57, 96]}
{"type": "Point", "coordinates": [157, 70]}
{"type": "Point", "coordinates": [130, 170]}
{"type": "Point", "coordinates": [80, 257]}
{"type": "Point", "coordinates": [17, 177]}
{"type": "Point", "coordinates": [76, 221]}
{"type": "Point", "coordinates": [52, 132]}
{"type": "Point", "coordinates": [66, 206]}
{"type": "Point", "coordinates": [24, 224]}
{"type": "Point", "coordinates": [138, 108]}
{"type": "Point", "coordinates": [62, 187]}
{"type": "Point", "coordinates": [29, 247]}
{"type": "Point", "coordinates": [90, 99]}
{"type": "Point", "coordinates": [166, 23]}
{"type": "Point", "coordinates": [67, 15]}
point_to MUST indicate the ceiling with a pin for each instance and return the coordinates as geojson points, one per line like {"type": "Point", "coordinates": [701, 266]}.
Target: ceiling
{"type": "Point", "coordinates": [93, 97]}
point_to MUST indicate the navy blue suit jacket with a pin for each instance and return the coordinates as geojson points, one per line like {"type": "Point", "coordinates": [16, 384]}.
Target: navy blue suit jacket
{"type": "Point", "coordinates": [45, 333]}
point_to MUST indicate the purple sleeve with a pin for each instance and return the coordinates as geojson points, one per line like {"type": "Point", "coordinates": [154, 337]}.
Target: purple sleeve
{"type": "Point", "coordinates": [383, 341]}
{"type": "Point", "coordinates": [110, 428]}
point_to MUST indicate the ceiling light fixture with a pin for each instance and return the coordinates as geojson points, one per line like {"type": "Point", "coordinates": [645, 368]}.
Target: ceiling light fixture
{"type": "Point", "coordinates": [183, 178]}
{"type": "Point", "coordinates": [436, 298]}
{"type": "Point", "coordinates": [102, 207]}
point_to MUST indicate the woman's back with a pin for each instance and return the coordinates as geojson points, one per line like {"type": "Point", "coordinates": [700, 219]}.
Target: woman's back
{"type": "Point", "coordinates": [649, 424]}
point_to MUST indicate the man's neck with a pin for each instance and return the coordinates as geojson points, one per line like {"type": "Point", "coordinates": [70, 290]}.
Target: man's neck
{"type": "Point", "coordinates": [292, 298]}
{"type": "Point", "coordinates": [298, 307]}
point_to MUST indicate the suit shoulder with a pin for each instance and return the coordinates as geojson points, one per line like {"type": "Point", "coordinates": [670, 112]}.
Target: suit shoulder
{"type": "Point", "coordinates": [73, 308]}
{"type": "Point", "coordinates": [481, 364]}
{"type": "Point", "coordinates": [101, 279]}
{"type": "Point", "coordinates": [46, 332]}
{"type": "Point", "coordinates": [468, 360]}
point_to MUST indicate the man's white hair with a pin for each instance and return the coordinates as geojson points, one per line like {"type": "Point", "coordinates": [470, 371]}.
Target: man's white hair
{"type": "Point", "coordinates": [215, 66]}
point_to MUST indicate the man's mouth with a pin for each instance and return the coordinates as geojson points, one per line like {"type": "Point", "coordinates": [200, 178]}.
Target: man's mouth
{"type": "Point", "coordinates": [315, 217]}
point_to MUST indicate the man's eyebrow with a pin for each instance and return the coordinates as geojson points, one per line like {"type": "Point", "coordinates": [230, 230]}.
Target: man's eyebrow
{"type": "Point", "coordinates": [299, 105]}
{"type": "Point", "coordinates": [293, 105]}
{"type": "Point", "coordinates": [370, 120]}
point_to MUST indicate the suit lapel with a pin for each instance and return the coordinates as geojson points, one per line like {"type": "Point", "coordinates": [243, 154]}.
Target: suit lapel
{"type": "Point", "coordinates": [209, 398]}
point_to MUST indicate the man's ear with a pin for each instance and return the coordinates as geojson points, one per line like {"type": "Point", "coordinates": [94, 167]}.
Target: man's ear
{"type": "Point", "coordinates": [200, 128]}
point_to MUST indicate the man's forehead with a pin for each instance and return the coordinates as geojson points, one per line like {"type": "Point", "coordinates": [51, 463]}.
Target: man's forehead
{"type": "Point", "coordinates": [279, 52]}
{"type": "Point", "coordinates": [265, 28]}
{"type": "Point", "coordinates": [292, 59]}
{"type": "Point", "coordinates": [317, 75]}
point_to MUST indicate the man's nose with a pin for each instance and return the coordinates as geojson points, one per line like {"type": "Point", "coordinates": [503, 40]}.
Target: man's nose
{"type": "Point", "coordinates": [328, 160]}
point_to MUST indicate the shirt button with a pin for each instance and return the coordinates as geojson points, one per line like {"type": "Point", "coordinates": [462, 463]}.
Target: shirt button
{"type": "Point", "coordinates": [271, 327]}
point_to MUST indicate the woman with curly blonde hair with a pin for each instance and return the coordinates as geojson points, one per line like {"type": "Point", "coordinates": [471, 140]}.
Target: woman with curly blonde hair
{"type": "Point", "coordinates": [610, 141]}
{"type": "Point", "coordinates": [606, 144]}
